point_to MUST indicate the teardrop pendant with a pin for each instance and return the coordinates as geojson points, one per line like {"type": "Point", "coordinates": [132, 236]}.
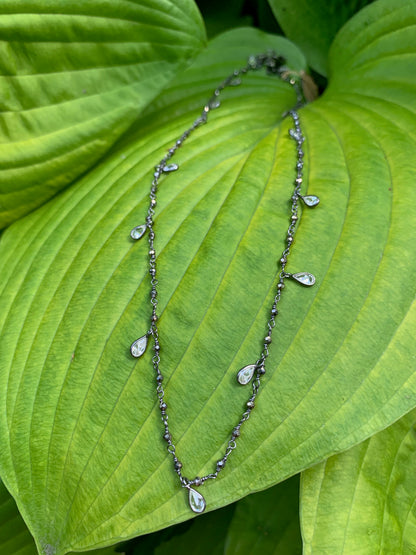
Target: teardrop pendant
{"type": "Point", "coordinates": [235, 82]}
{"type": "Point", "coordinates": [196, 501]}
{"type": "Point", "coordinates": [138, 347]}
{"type": "Point", "coordinates": [246, 373]}
{"type": "Point", "coordinates": [305, 278]}
{"type": "Point", "coordinates": [170, 168]}
{"type": "Point", "coordinates": [214, 103]}
{"type": "Point", "coordinates": [137, 232]}
{"type": "Point", "coordinates": [310, 200]}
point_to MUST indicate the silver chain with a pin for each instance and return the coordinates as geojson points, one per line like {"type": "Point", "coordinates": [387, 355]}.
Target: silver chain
{"type": "Point", "coordinates": [274, 65]}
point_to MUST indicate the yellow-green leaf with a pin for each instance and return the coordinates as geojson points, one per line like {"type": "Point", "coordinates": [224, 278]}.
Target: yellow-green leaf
{"type": "Point", "coordinates": [363, 501]}
{"type": "Point", "coordinates": [74, 77]}
{"type": "Point", "coordinates": [82, 447]}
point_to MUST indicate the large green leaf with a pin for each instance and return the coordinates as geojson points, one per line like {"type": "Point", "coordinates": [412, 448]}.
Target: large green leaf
{"type": "Point", "coordinates": [363, 501]}
{"type": "Point", "coordinates": [82, 448]}
{"type": "Point", "coordinates": [58, 513]}
{"type": "Point", "coordinates": [74, 76]}
{"type": "Point", "coordinates": [313, 24]}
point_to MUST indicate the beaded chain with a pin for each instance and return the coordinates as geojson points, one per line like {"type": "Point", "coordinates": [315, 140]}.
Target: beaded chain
{"type": "Point", "coordinates": [275, 65]}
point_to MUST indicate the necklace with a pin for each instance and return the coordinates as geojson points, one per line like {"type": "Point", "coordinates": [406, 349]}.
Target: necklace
{"type": "Point", "coordinates": [275, 65]}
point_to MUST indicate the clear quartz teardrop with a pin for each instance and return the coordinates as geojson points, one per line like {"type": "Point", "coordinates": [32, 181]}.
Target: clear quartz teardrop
{"type": "Point", "coordinates": [305, 278]}
{"type": "Point", "coordinates": [246, 373]}
{"type": "Point", "coordinates": [170, 168]}
{"type": "Point", "coordinates": [138, 232]}
{"type": "Point", "coordinates": [235, 82]}
{"type": "Point", "coordinates": [139, 346]}
{"type": "Point", "coordinates": [214, 103]}
{"type": "Point", "coordinates": [196, 501]}
{"type": "Point", "coordinates": [310, 200]}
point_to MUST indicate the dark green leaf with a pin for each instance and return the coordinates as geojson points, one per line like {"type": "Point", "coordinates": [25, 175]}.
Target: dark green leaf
{"type": "Point", "coordinates": [267, 522]}
{"type": "Point", "coordinates": [220, 16]}
{"type": "Point", "coordinates": [313, 24]}
{"type": "Point", "coordinates": [15, 538]}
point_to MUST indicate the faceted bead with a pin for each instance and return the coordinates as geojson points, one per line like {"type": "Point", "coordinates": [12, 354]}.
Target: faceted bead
{"type": "Point", "coordinates": [196, 501]}
{"type": "Point", "coordinates": [305, 278]}
{"type": "Point", "coordinates": [310, 200]}
{"type": "Point", "coordinates": [245, 374]}
{"type": "Point", "coordinates": [138, 232]}
{"type": "Point", "coordinates": [139, 346]}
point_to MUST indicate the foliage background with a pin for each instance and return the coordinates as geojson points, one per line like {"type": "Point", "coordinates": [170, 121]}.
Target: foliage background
{"type": "Point", "coordinates": [92, 95]}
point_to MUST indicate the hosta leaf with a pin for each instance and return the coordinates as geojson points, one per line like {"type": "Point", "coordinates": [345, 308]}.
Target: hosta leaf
{"type": "Point", "coordinates": [112, 187]}
{"type": "Point", "coordinates": [74, 76]}
{"type": "Point", "coordinates": [313, 24]}
{"type": "Point", "coordinates": [82, 449]}
{"type": "Point", "coordinates": [363, 501]}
